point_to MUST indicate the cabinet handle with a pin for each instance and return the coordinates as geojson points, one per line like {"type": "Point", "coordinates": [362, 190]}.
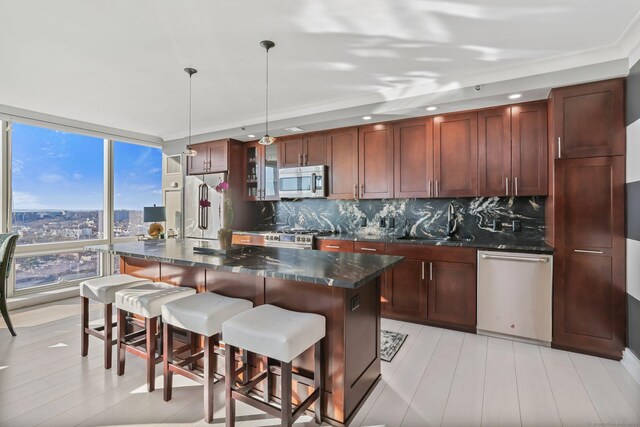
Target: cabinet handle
{"type": "Point", "coordinates": [332, 247]}
{"type": "Point", "coordinates": [559, 148]}
{"type": "Point", "coordinates": [506, 184]}
{"type": "Point", "coordinates": [422, 270]}
{"type": "Point", "coordinates": [437, 188]}
{"type": "Point", "coordinates": [361, 190]}
{"type": "Point", "coordinates": [430, 271]}
{"type": "Point", "coordinates": [369, 249]}
{"type": "Point", "coordinates": [300, 159]}
{"type": "Point", "coordinates": [515, 182]}
{"type": "Point", "coordinates": [584, 251]}
{"type": "Point", "coordinates": [306, 159]}
{"type": "Point", "coordinates": [430, 195]}
{"type": "Point", "coordinates": [355, 191]}
{"type": "Point", "coordinates": [514, 258]}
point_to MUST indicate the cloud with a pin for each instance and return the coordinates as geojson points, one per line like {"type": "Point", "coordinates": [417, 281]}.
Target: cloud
{"type": "Point", "coordinates": [77, 176]}
{"type": "Point", "coordinates": [24, 200]}
{"type": "Point", "coordinates": [153, 170]}
{"type": "Point", "coordinates": [52, 178]}
{"type": "Point", "coordinates": [142, 157]}
{"type": "Point", "coordinates": [144, 187]}
{"type": "Point", "coordinates": [17, 167]}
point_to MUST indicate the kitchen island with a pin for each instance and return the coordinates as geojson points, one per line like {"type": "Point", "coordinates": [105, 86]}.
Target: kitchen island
{"type": "Point", "coordinates": [342, 287]}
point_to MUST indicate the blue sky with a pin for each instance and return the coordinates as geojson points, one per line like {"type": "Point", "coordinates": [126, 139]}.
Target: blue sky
{"type": "Point", "coordinates": [64, 171]}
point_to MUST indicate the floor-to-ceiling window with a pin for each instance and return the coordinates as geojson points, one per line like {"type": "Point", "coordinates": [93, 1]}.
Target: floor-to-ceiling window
{"type": "Point", "coordinates": [68, 190]}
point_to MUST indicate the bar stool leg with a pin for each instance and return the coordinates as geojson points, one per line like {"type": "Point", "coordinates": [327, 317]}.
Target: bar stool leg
{"type": "Point", "coordinates": [122, 330]}
{"type": "Point", "coordinates": [84, 324]}
{"type": "Point", "coordinates": [229, 381]}
{"type": "Point", "coordinates": [191, 337]}
{"type": "Point", "coordinates": [267, 383]}
{"type": "Point", "coordinates": [151, 326]}
{"type": "Point", "coordinates": [167, 341]}
{"type": "Point", "coordinates": [210, 364]}
{"type": "Point", "coordinates": [286, 416]}
{"type": "Point", "coordinates": [108, 335]}
{"type": "Point", "coordinates": [317, 381]}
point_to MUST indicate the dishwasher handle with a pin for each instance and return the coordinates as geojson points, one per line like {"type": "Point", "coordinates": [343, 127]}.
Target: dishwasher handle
{"type": "Point", "coordinates": [514, 258]}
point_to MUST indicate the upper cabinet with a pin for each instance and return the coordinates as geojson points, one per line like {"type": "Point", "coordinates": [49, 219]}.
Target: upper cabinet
{"type": "Point", "coordinates": [375, 165]}
{"type": "Point", "coordinates": [413, 158]}
{"type": "Point", "coordinates": [342, 159]}
{"type": "Point", "coordinates": [512, 150]}
{"type": "Point", "coordinates": [260, 171]}
{"type": "Point", "coordinates": [587, 120]}
{"type": "Point", "coordinates": [303, 150]}
{"type": "Point", "coordinates": [456, 155]}
{"type": "Point", "coordinates": [211, 157]}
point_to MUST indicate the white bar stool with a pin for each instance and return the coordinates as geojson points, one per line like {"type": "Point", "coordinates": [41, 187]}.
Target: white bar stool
{"type": "Point", "coordinates": [103, 290]}
{"type": "Point", "coordinates": [145, 300]}
{"type": "Point", "coordinates": [278, 334]}
{"type": "Point", "coordinates": [201, 314]}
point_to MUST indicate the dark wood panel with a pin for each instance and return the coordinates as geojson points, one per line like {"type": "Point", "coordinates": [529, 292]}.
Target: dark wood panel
{"type": "Point", "coordinates": [375, 165]}
{"type": "Point", "coordinates": [456, 155]}
{"type": "Point", "coordinates": [291, 149]}
{"type": "Point", "coordinates": [529, 148]}
{"type": "Point", "coordinates": [235, 285]}
{"type": "Point", "coordinates": [334, 245]}
{"type": "Point", "coordinates": [219, 156]}
{"type": "Point", "coordinates": [247, 239]}
{"type": "Point", "coordinates": [370, 247]}
{"type": "Point", "coordinates": [452, 293]}
{"type": "Point", "coordinates": [140, 268]}
{"type": "Point", "coordinates": [342, 159]}
{"type": "Point", "coordinates": [413, 158]}
{"type": "Point", "coordinates": [589, 119]}
{"type": "Point", "coordinates": [314, 149]}
{"type": "Point", "coordinates": [433, 253]}
{"type": "Point", "coordinates": [407, 291]}
{"type": "Point", "coordinates": [198, 164]}
{"type": "Point", "coordinates": [180, 275]}
{"type": "Point", "coordinates": [494, 152]}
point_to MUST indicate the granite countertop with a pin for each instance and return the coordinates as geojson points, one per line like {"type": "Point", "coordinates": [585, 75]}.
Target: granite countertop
{"type": "Point", "coordinates": [346, 270]}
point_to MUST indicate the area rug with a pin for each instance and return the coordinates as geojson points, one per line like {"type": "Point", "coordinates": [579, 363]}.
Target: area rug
{"type": "Point", "coordinates": [390, 343]}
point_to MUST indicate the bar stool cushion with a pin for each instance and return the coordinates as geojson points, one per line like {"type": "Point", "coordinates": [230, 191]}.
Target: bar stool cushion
{"type": "Point", "coordinates": [203, 313]}
{"type": "Point", "coordinates": [146, 300]}
{"type": "Point", "coordinates": [103, 289]}
{"type": "Point", "coordinates": [274, 332]}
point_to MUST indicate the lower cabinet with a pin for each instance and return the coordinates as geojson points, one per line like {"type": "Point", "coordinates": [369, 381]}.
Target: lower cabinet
{"type": "Point", "coordinates": [404, 295]}
{"type": "Point", "coordinates": [451, 293]}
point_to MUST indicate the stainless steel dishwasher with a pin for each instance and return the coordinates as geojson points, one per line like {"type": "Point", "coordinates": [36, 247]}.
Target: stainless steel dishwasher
{"type": "Point", "coordinates": [514, 295]}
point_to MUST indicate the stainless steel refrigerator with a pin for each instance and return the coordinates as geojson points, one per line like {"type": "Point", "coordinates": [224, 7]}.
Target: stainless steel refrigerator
{"type": "Point", "coordinates": [202, 222]}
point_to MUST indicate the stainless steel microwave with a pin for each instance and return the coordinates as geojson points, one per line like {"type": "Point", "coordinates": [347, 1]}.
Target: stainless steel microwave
{"type": "Point", "coordinates": [303, 182]}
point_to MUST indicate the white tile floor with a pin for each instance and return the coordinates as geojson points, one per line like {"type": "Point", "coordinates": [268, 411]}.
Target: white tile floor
{"type": "Point", "coordinates": [439, 377]}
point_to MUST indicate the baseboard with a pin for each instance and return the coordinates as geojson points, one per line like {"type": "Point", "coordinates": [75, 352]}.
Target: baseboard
{"type": "Point", "coordinates": [632, 363]}
{"type": "Point", "coordinates": [513, 338]}
{"type": "Point", "coordinates": [43, 297]}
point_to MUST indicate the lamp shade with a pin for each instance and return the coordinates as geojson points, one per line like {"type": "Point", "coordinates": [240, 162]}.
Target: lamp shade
{"type": "Point", "coordinates": [155, 213]}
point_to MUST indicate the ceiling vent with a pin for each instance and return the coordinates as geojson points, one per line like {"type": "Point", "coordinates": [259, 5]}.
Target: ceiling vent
{"type": "Point", "coordinates": [294, 129]}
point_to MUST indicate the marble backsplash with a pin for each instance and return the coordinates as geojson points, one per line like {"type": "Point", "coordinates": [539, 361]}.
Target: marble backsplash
{"type": "Point", "coordinates": [425, 217]}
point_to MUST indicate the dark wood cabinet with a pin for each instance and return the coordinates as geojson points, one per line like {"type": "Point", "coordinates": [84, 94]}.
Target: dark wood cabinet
{"type": "Point", "coordinates": [452, 293]}
{"type": "Point", "coordinates": [260, 171]}
{"type": "Point", "coordinates": [455, 162]}
{"type": "Point", "coordinates": [405, 292]}
{"type": "Point", "coordinates": [413, 158]}
{"type": "Point", "coordinates": [375, 165]}
{"type": "Point", "coordinates": [334, 245]}
{"type": "Point", "coordinates": [589, 272]}
{"type": "Point", "coordinates": [211, 157]}
{"type": "Point", "coordinates": [342, 159]}
{"type": "Point", "coordinates": [588, 120]}
{"type": "Point", "coordinates": [303, 150]}
{"type": "Point", "coordinates": [512, 150]}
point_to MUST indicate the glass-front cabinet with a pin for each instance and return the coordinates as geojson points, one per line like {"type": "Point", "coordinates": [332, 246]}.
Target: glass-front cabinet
{"type": "Point", "coordinates": [260, 171]}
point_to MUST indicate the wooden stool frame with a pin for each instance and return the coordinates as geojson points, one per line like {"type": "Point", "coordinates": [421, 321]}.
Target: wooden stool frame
{"type": "Point", "coordinates": [104, 332]}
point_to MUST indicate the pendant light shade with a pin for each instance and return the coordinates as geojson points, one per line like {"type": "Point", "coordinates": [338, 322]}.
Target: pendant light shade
{"type": "Point", "coordinates": [189, 152]}
{"type": "Point", "coordinates": [266, 139]}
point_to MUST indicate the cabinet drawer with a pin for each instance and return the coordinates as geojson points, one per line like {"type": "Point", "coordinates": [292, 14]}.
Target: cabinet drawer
{"type": "Point", "coordinates": [433, 253]}
{"type": "Point", "coordinates": [370, 247]}
{"type": "Point", "coordinates": [335, 245]}
{"type": "Point", "coordinates": [247, 239]}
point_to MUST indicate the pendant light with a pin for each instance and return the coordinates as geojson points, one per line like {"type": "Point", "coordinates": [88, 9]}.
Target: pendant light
{"type": "Point", "coordinates": [266, 139]}
{"type": "Point", "coordinates": [189, 152]}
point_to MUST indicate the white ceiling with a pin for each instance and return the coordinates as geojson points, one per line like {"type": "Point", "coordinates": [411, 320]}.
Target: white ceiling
{"type": "Point", "coordinates": [120, 63]}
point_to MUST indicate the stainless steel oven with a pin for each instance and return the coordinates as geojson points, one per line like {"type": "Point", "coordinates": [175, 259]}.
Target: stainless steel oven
{"type": "Point", "coordinates": [303, 182]}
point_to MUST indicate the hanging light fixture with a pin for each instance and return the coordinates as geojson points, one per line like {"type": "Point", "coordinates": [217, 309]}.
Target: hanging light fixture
{"type": "Point", "coordinates": [266, 139]}
{"type": "Point", "coordinates": [189, 152]}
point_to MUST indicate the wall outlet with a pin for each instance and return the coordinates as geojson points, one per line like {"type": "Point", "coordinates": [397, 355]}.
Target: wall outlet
{"type": "Point", "coordinates": [363, 221]}
{"type": "Point", "coordinates": [497, 225]}
{"type": "Point", "coordinates": [383, 223]}
{"type": "Point", "coordinates": [391, 223]}
{"type": "Point", "coordinates": [517, 225]}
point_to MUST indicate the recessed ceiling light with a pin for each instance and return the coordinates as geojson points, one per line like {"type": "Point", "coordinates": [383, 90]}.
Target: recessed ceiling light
{"type": "Point", "coordinates": [366, 117]}
{"type": "Point", "coordinates": [431, 108]}
{"type": "Point", "coordinates": [515, 96]}
{"type": "Point", "coordinates": [294, 129]}
{"type": "Point", "coordinates": [251, 136]}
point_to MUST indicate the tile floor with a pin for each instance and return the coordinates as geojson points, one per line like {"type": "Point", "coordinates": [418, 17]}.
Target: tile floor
{"type": "Point", "coordinates": [439, 377]}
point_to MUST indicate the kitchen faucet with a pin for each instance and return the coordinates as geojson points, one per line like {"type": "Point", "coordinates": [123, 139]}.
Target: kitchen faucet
{"type": "Point", "coordinates": [452, 221]}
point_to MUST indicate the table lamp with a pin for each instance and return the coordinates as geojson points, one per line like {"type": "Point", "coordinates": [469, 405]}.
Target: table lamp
{"type": "Point", "coordinates": [155, 214]}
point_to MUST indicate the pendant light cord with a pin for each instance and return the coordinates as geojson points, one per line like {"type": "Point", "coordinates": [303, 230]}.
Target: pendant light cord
{"type": "Point", "coordinates": [266, 101]}
{"type": "Point", "coordinates": [190, 78]}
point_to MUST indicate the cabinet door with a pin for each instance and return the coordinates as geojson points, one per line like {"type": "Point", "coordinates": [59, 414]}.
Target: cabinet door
{"type": "Point", "coordinates": [406, 293]}
{"type": "Point", "coordinates": [529, 149]}
{"type": "Point", "coordinates": [494, 152]}
{"type": "Point", "coordinates": [198, 164]}
{"type": "Point", "coordinates": [589, 278]}
{"type": "Point", "coordinates": [375, 166]}
{"type": "Point", "coordinates": [342, 158]}
{"type": "Point", "coordinates": [334, 245]}
{"type": "Point", "coordinates": [269, 172]}
{"type": "Point", "coordinates": [291, 149]}
{"type": "Point", "coordinates": [456, 155]}
{"type": "Point", "coordinates": [218, 156]}
{"type": "Point", "coordinates": [452, 293]}
{"type": "Point", "coordinates": [588, 120]}
{"type": "Point", "coordinates": [251, 171]}
{"type": "Point", "coordinates": [314, 149]}
{"type": "Point", "coordinates": [413, 158]}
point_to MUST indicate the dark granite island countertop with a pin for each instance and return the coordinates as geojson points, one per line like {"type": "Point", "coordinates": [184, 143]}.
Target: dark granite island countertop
{"type": "Point", "coordinates": [346, 270]}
